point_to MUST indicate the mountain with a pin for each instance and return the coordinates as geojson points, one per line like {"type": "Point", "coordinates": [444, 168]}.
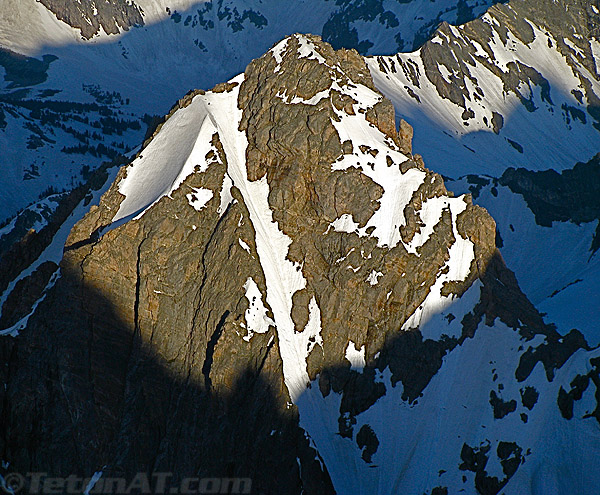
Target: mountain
{"type": "Point", "coordinates": [293, 278]}
{"type": "Point", "coordinates": [514, 99]}
{"type": "Point", "coordinates": [277, 279]}
{"type": "Point", "coordinates": [85, 79]}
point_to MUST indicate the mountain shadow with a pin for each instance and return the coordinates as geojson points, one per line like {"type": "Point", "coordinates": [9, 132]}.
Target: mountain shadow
{"type": "Point", "coordinates": [84, 393]}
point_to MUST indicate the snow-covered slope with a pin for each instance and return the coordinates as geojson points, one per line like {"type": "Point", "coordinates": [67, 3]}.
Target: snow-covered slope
{"type": "Point", "coordinates": [518, 88]}
{"type": "Point", "coordinates": [497, 93]}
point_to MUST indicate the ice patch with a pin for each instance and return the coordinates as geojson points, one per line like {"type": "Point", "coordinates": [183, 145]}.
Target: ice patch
{"type": "Point", "coordinates": [373, 277]}
{"type": "Point", "coordinates": [355, 356]}
{"type": "Point", "coordinates": [199, 197]}
{"type": "Point", "coordinates": [256, 317]}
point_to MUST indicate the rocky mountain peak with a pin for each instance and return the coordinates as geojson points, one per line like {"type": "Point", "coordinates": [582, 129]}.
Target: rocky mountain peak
{"type": "Point", "coordinates": [277, 280]}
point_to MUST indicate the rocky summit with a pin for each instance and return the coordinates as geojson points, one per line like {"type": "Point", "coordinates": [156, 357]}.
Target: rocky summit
{"type": "Point", "coordinates": [276, 288]}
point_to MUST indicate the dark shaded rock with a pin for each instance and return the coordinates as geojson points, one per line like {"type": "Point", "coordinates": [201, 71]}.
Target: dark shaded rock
{"type": "Point", "coordinates": [579, 385]}
{"type": "Point", "coordinates": [553, 354]}
{"type": "Point", "coordinates": [22, 71]}
{"type": "Point", "coordinates": [572, 195]}
{"type": "Point", "coordinates": [476, 459]}
{"type": "Point", "coordinates": [497, 122]}
{"type": "Point", "coordinates": [367, 441]}
{"type": "Point", "coordinates": [501, 408]}
{"type": "Point", "coordinates": [27, 291]}
{"type": "Point", "coordinates": [529, 397]}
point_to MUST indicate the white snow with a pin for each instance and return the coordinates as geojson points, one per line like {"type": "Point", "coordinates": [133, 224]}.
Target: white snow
{"type": "Point", "coordinates": [308, 49]}
{"type": "Point", "coordinates": [462, 253]}
{"type": "Point", "coordinates": [225, 195]}
{"type": "Point", "coordinates": [294, 100]}
{"type": "Point", "coordinates": [54, 251]}
{"type": "Point", "coordinates": [278, 51]}
{"type": "Point", "coordinates": [573, 47]}
{"type": "Point", "coordinates": [162, 167]}
{"type": "Point", "coordinates": [345, 223]}
{"type": "Point", "coordinates": [356, 356]}
{"type": "Point", "coordinates": [440, 130]}
{"type": "Point", "coordinates": [199, 197]}
{"type": "Point", "coordinates": [373, 277]}
{"type": "Point", "coordinates": [244, 246]}
{"type": "Point", "coordinates": [256, 317]}
{"type": "Point", "coordinates": [417, 441]}
{"type": "Point", "coordinates": [420, 439]}
{"type": "Point", "coordinates": [398, 187]}
{"type": "Point", "coordinates": [548, 260]}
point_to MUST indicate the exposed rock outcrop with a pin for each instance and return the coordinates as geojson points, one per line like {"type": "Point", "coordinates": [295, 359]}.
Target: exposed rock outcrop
{"type": "Point", "coordinates": [91, 16]}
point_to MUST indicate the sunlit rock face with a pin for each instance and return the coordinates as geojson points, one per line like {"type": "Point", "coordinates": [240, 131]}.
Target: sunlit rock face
{"type": "Point", "coordinates": [90, 17]}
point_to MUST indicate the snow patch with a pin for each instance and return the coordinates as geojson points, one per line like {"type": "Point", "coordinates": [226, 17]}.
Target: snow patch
{"type": "Point", "coordinates": [345, 223]}
{"type": "Point", "coordinates": [283, 278]}
{"type": "Point", "coordinates": [307, 49]}
{"type": "Point", "coordinates": [398, 187]}
{"type": "Point", "coordinates": [22, 323]}
{"type": "Point", "coordinates": [256, 317]}
{"type": "Point", "coordinates": [277, 52]}
{"type": "Point", "coordinates": [245, 246]}
{"type": "Point", "coordinates": [373, 277]}
{"type": "Point", "coordinates": [225, 194]}
{"type": "Point", "coordinates": [199, 197]}
{"type": "Point", "coordinates": [356, 356]}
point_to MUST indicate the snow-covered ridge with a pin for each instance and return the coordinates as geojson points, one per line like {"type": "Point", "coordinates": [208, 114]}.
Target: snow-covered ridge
{"type": "Point", "coordinates": [497, 125]}
{"type": "Point", "coordinates": [162, 166]}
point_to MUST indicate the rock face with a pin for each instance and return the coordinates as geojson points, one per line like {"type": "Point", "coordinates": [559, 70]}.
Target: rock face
{"type": "Point", "coordinates": [91, 16]}
{"type": "Point", "coordinates": [277, 289]}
